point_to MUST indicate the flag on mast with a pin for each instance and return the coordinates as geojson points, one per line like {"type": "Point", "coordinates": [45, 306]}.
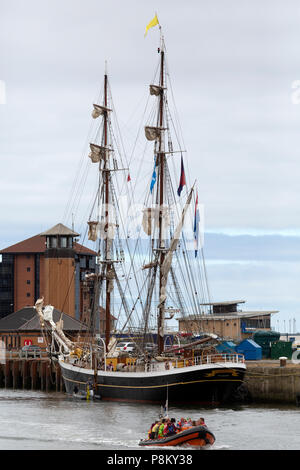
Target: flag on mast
{"type": "Point", "coordinates": [152, 23]}
{"type": "Point", "coordinates": [153, 181]}
{"type": "Point", "coordinates": [182, 181]}
{"type": "Point", "coordinates": [196, 225]}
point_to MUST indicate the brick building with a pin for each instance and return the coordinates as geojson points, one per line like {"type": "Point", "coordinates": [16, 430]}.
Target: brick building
{"type": "Point", "coordinates": [227, 321]}
{"type": "Point", "coordinates": [51, 264]}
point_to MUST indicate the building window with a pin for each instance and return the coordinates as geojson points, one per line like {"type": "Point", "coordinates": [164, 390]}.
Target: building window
{"type": "Point", "coordinates": [28, 270]}
{"type": "Point", "coordinates": [28, 282]}
{"type": "Point", "coordinates": [28, 294]}
{"type": "Point", "coordinates": [63, 242]}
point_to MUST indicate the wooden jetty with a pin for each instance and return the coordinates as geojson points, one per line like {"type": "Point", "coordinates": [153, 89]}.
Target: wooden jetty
{"type": "Point", "coordinates": [37, 373]}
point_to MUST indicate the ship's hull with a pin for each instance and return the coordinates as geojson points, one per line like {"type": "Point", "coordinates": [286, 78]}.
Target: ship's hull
{"type": "Point", "coordinates": [202, 384]}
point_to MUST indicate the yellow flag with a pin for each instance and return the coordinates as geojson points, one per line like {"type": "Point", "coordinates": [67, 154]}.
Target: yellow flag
{"type": "Point", "coordinates": [152, 23]}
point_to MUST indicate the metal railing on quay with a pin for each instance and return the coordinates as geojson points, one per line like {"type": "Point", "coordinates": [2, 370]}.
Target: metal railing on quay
{"type": "Point", "coordinates": [9, 355]}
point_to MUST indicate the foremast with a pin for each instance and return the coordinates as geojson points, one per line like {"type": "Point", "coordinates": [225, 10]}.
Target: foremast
{"type": "Point", "coordinates": [104, 227]}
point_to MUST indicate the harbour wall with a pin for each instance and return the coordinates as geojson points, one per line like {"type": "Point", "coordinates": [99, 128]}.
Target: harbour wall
{"type": "Point", "coordinates": [269, 382]}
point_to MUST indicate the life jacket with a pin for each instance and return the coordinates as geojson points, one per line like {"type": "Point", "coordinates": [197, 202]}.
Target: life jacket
{"type": "Point", "coordinates": [161, 430]}
{"type": "Point", "coordinates": [171, 428]}
{"type": "Point", "coordinates": [151, 429]}
{"type": "Point", "coordinates": [155, 428]}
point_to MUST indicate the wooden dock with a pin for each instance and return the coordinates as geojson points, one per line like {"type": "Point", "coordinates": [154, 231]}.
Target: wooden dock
{"type": "Point", "coordinates": [31, 374]}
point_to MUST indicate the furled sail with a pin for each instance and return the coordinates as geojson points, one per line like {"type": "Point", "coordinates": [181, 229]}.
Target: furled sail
{"type": "Point", "coordinates": [110, 276]}
{"type": "Point", "coordinates": [97, 153]}
{"type": "Point", "coordinates": [104, 230]}
{"type": "Point", "coordinates": [166, 265]}
{"type": "Point", "coordinates": [99, 110]}
{"type": "Point", "coordinates": [151, 219]}
{"type": "Point", "coordinates": [152, 133]}
{"type": "Point", "coordinates": [155, 90]}
{"type": "Point", "coordinates": [107, 230]}
{"type": "Point", "coordinates": [93, 230]}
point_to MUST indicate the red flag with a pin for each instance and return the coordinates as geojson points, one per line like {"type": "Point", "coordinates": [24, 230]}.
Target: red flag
{"type": "Point", "coordinates": [182, 181]}
{"type": "Point", "coordinates": [128, 178]}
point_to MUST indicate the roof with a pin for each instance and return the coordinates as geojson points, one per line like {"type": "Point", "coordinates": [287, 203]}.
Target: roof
{"type": "Point", "coordinates": [26, 319]}
{"type": "Point", "coordinates": [208, 316]}
{"type": "Point", "coordinates": [60, 229]}
{"type": "Point", "coordinates": [37, 244]}
{"type": "Point", "coordinates": [248, 342]}
{"type": "Point", "coordinates": [226, 302]}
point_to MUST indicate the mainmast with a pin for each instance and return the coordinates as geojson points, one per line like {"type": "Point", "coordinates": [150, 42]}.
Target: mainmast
{"type": "Point", "coordinates": [161, 165]}
{"type": "Point", "coordinates": [106, 175]}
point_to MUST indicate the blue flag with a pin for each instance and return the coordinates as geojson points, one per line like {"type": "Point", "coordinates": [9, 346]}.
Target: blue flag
{"type": "Point", "coordinates": [153, 181]}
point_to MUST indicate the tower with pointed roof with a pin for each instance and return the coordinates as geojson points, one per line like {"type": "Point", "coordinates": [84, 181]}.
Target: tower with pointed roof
{"type": "Point", "coordinates": [59, 266]}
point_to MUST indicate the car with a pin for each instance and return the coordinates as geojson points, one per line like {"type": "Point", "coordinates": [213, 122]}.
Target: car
{"type": "Point", "coordinates": [31, 350]}
{"type": "Point", "coordinates": [126, 347]}
{"type": "Point", "coordinates": [150, 347]}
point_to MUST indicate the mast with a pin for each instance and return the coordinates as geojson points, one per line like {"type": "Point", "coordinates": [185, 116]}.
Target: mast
{"type": "Point", "coordinates": [106, 201]}
{"type": "Point", "coordinates": [161, 161]}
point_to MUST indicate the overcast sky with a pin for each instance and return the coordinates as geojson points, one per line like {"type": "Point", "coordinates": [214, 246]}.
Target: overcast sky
{"type": "Point", "coordinates": [233, 65]}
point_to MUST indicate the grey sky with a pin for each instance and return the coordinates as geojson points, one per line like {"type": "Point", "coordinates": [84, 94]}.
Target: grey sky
{"type": "Point", "coordinates": [232, 63]}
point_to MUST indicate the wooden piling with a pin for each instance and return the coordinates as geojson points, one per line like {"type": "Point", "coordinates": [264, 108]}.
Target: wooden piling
{"type": "Point", "coordinates": [15, 374]}
{"type": "Point", "coordinates": [8, 376]}
{"type": "Point", "coordinates": [2, 375]}
{"type": "Point", "coordinates": [48, 376]}
{"type": "Point", "coordinates": [25, 375]}
{"type": "Point", "coordinates": [33, 375]}
{"type": "Point", "coordinates": [42, 374]}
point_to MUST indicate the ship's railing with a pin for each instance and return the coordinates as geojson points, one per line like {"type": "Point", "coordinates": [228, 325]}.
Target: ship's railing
{"type": "Point", "coordinates": [196, 361]}
{"type": "Point", "coordinates": [213, 358]}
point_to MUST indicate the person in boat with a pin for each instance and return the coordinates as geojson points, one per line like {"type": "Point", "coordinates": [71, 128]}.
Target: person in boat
{"type": "Point", "coordinates": [151, 432]}
{"type": "Point", "coordinates": [161, 429]}
{"type": "Point", "coordinates": [155, 429]}
{"type": "Point", "coordinates": [166, 427]}
{"type": "Point", "coordinates": [180, 424]}
{"type": "Point", "coordinates": [201, 422]}
{"type": "Point", "coordinates": [172, 428]}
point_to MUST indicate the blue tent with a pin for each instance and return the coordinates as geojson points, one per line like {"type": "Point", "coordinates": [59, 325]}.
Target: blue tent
{"type": "Point", "coordinates": [250, 349]}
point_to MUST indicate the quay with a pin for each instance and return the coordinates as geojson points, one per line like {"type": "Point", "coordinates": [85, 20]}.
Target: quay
{"type": "Point", "coordinates": [266, 381]}
{"type": "Point", "coordinates": [38, 373]}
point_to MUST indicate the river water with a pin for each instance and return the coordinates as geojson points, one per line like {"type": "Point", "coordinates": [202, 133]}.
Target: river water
{"type": "Point", "coordinates": [52, 421]}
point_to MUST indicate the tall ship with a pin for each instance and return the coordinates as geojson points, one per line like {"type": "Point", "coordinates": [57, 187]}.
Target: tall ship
{"type": "Point", "coordinates": [150, 267]}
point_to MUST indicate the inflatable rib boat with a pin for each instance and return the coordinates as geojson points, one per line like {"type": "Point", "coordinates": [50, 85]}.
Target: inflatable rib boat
{"type": "Point", "coordinates": [198, 436]}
